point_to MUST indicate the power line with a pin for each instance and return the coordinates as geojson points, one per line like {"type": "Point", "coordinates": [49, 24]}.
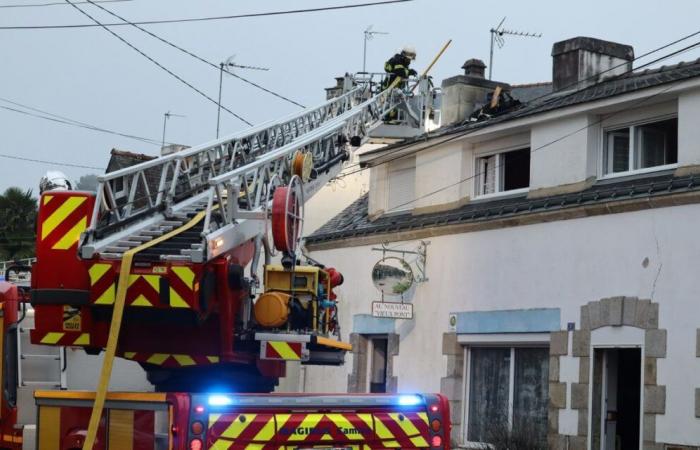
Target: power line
{"type": "Point", "coordinates": [459, 135]}
{"type": "Point", "coordinates": [34, 5]}
{"type": "Point", "coordinates": [199, 58]}
{"type": "Point", "coordinates": [170, 72]}
{"type": "Point", "coordinates": [203, 19]}
{"type": "Point", "coordinates": [52, 163]}
{"type": "Point", "coordinates": [45, 115]}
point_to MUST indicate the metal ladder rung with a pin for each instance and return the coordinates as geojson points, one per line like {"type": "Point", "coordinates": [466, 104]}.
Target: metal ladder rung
{"type": "Point", "coordinates": [152, 233]}
{"type": "Point", "coordinates": [116, 249]}
{"type": "Point", "coordinates": [111, 255]}
{"type": "Point", "coordinates": [54, 357]}
{"type": "Point", "coordinates": [41, 383]}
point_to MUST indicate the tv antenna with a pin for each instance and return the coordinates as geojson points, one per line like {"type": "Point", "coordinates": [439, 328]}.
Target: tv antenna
{"type": "Point", "coordinates": [167, 116]}
{"type": "Point", "coordinates": [497, 34]}
{"type": "Point", "coordinates": [227, 66]}
{"type": "Point", "coordinates": [369, 35]}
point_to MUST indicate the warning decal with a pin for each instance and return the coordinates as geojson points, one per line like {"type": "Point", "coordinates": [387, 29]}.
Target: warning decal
{"type": "Point", "coordinates": [71, 318]}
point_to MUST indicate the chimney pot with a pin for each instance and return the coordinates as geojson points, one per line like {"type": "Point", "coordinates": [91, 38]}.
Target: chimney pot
{"type": "Point", "coordinates": [474, 68]}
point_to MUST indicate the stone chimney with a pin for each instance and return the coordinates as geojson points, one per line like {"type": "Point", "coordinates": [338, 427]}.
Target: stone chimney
{"type": "Point", "coordinates": [462, 94]}
{"type": "Point", "coordinates": [583, 61]}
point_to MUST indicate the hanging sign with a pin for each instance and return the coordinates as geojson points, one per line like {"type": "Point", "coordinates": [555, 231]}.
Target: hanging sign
{"type": "Point", "coordinates": [392, 310]}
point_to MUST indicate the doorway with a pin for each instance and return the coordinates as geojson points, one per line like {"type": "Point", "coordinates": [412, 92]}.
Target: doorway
{"type": "Point", "coordinates": [378, 347]}
{"type": "Point", "coordinates": [616, 411]}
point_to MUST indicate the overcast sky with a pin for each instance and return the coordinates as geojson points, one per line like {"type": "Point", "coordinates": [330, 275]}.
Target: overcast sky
{"type": "Point", "coordinates": [88, 75]}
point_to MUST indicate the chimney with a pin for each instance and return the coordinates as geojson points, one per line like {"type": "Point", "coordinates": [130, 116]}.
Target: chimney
{"type": "Point", "coordinates": [583, 61]}
{"type": "Point", "coordinates": [475, 68]}
{"type": "Point", "coordinates": [462, 94]}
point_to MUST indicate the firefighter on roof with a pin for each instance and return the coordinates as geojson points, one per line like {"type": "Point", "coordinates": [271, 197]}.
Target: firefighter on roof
{"type": "Point", "coordinates": [398, 65]}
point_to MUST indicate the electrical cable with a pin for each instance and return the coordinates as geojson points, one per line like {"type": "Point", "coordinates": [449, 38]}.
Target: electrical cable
{"type": "Point", "coordinates": [197, 57]}
{"type": "Point", "coordinates": [33, 5]}
{"type": "Point", "coordinates": [53, 163]}
{"type": "Point", "coordinates": [68, 121]}
{"type": "Point", "coordinates": [171, 73]}
{"type": "Point", "coordinates": [202, 19]}
{"type": "Point", "coordinates": [462, 134]}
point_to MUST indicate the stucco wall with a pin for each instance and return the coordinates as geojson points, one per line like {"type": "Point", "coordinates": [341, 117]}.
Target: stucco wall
{"type": "Point", "coordinates": [688, 129]}
{"type": "Point", "coordinates": [565, 264]}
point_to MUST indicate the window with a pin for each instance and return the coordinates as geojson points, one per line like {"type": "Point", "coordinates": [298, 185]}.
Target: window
{"type": "Point", "coordinates": [502, 172]}
{"type": "Point", "coordinates": [640, 147]}
{"type": "Point", "coordinates": [508, 394]}
{"type": "Point", "coordinates": [401, 185]}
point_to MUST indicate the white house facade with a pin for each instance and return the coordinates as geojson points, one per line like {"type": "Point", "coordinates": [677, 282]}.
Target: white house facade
{"type": "Point", "coordinates": [557, 300]}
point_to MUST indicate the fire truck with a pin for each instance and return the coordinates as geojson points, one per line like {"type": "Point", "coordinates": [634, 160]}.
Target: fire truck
{"type": "Point", "coordinates": [161, 266]}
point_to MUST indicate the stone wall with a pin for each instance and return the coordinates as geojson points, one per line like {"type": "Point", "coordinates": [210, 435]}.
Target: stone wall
{"type": "Point", "coordinates": [357, 379]}
{"type": "Point", "coordinates": [609, 312]}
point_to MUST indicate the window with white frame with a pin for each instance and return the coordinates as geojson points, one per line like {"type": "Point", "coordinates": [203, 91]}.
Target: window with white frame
{"type": "Point", "coordinates": [502, 172]}
{"type": "Point", "coordinates": [401, 185]}
{"type": "Point", "coordinates": [640, 147]}
{"type": "Point", "coordinates": [508, 394]}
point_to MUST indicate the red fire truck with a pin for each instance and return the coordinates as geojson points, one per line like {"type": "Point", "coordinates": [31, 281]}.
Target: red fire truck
{"type": "Point", "coordinates": [215, 421]}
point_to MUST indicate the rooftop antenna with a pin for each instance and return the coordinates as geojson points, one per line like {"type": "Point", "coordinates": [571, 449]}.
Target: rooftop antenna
{"type": "Point", "coordinates": [497, 37]}
{"type": "Point", "coordinates": [167, 116]}
{"type": "Point", "coordinates": [369, 35]}
{"type": "Point", "coordinates": [229, 63]}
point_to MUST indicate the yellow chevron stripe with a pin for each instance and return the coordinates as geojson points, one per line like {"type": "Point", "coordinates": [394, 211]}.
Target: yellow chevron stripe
{"type": "Point", "coordinates": [343, 423]}
{"type": "Point", "coordinates": [97, 271]}
{"type": "Point", "coordinates": [141, 301]}
{"type": "Point", "coordinates": [184, 360]}
{"type": "Point", "coordinates": [220, 444]}
{"type": "Point", "coordinates": [423, 416]}
{"type": "Point", "coordinates": [212, 419]}
{"type": "Point", "coordinates": [419, 442]}
{"type": "Point", "coordinates": [310, 421]}
{"type": "Point", "coordinates": [267, 432]}
{"type": "Point", "coordinates": [107, 297]}
{"type": "Point", "coordinates": [72, 236]}
{"type": "Point", "coordinates": [47, 199]}
{"type": "Point", "coordinates": [176, 301]}
{"type": "Point", "coordinates": [185, 274]}
{"type": "Point", "coordinates": [281, 419]}
{"type": "Point", "coordinates": [284, 350]}
{"type": "Point", "coordinates": [157, 358]}
{"type": "Point", "coordinates": [58, 216]}
{"type": "Point", "coordinates": [382, 431]}
{"type": "Point", "coordinates": [52, 338]}
{"type": "Point", "coordinates": [129, 355]}
{"type": "Point", "coordinates": [213, 359]}
{"type": "Point", "coordinates": [367, 419]}
{"type": "Point", "coordinates": [237, 427]}
{"type": "Point", "coordinates": [84, 339]}
{"type": "Point", "coordinates": [153, 280]}
{"type": "Point", "coordinates": [405, 424]}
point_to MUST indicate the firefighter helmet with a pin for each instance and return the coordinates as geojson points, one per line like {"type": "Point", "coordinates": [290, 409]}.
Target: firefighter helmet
{"type": "Point", "coordinates": [54, 180]}
{"type": "Point", "coordinates": [409, 51]}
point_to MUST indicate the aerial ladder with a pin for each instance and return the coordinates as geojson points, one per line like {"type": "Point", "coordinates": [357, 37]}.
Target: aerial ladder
{"type": "Point", "coordinates": [152, 267]}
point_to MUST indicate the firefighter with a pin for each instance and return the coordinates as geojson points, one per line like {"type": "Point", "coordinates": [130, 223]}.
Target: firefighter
{"type": "Point", "coordinates": [398, 65]}
{"type": "Point", "coordinates": [54, 181]}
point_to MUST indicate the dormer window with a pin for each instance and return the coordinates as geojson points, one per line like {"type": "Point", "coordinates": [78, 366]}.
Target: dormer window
{"type": "Point", "coordinates": [503, 172]}
{"type": "Point", "coordinates": [641, 147]}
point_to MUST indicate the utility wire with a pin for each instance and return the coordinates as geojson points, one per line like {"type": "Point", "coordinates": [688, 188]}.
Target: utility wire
{"type": "Point", "coordinates": [462, 134]}
{"type": "Point", "coordinates": [52, 163]}
{"type": "Point", "coordinates": [202, 19]}
{"type": "Point", "coordinates": [170, 72]}
{"type": "Point", "coordinates": [67, 121]}
{"type": "Point", "coordinates": [33, 5]}
{"type": "Point", "coordinates": [199, 58]}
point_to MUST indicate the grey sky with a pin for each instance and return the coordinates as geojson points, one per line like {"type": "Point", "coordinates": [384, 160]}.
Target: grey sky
{"type": "Point", "coordinates": [88, 75]}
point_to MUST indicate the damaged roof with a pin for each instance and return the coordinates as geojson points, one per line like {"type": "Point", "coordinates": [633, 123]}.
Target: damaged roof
{"type": "Point", "coordinates": [607, 88]}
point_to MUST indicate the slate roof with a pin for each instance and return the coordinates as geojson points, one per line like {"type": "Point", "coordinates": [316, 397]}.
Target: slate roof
{"type": "Point", "coordinates": [354, 220]}
{"type": "Point", "coordinates": [610, 87]}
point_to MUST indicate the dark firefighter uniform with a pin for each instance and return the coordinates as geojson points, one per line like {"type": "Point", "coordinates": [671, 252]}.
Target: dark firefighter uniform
{"type": "Point", "coordinates": [398, 66]}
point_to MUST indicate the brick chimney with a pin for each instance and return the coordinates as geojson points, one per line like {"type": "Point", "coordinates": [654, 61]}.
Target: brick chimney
{"type": "Point", "coordinates": [583, 61]}
{"type": "Point", "coordinates": [462, 94]}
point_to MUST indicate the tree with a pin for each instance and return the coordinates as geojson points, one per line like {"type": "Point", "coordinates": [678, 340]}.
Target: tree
{"type": "Point", "coordinates": [17, 218]}
{"type": "Point", "coordinates": [87, 183]}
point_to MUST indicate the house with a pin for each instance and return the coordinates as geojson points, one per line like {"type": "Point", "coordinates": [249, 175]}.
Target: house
{"type": "Point", "coordinates": [553, 241]}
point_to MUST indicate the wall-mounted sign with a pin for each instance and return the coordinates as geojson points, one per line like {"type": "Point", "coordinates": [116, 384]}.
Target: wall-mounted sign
{"type": "Point", "coordinates": [392, 310]}
{"type": "Point", "coordinates": [392, 276]}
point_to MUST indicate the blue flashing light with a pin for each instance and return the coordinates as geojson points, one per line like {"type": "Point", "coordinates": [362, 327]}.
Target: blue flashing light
{"type": "Point", "coordinates": [220, 400]}
{"type": "Point", "coordinates": [410, 400]}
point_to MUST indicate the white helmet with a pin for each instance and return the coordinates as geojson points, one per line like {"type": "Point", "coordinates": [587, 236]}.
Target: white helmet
{"type": "Point", "coordinates": [54, 180]}
{"type": "Point", "coordinates": [409, 51]}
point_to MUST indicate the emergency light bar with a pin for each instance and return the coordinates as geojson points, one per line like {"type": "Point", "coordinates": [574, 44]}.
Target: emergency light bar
{"type": "Point", "coordinates": [252, 400]}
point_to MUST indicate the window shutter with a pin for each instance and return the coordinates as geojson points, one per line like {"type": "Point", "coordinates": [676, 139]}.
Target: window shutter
{"type": "Point", "coordinates": [402, 186]}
